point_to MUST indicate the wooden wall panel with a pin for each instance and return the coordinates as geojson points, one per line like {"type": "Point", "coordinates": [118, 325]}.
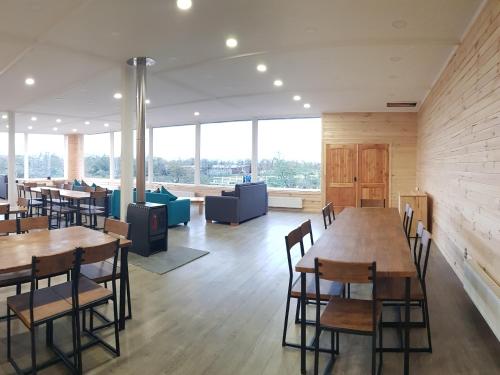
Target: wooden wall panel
{"type": "Point", "coordinates": [458, 158]}
{"type": "Point", "coordinates": [398, 129]}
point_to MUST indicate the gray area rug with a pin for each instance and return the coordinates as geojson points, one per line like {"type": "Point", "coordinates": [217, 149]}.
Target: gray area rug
{"type": "Point", "coordinates": [163, 262]}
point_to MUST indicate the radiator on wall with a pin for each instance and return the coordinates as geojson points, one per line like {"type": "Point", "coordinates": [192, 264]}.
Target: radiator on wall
{"type": "Point", "coordinates": [484, 292]}
{"type": "Point", "coordinates": [285, 202]}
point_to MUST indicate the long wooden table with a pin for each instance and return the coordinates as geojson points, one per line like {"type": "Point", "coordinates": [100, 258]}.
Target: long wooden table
{"type": "Point", "coordinates": [16, 251]}
{"type": "Point", "coordinates": [73, 195]}
{"type": "Point", "coordinates": [363, 235]}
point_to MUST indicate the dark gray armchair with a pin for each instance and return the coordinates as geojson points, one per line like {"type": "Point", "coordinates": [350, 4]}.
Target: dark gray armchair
{"type": "Point", "coordinates": [246, 202]}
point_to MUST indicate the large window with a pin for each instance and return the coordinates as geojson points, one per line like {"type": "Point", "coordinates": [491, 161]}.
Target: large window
{"type": "Point", "coordinates": [173, 150]}
{"type": "Point", "coordinates": [290, 153]}
{"type": "Point", "coordinates": [96, 151]}
{"type": "Point", "coordinates": [46, 155]}
{"type": "Point", "coordinates": [117, 149]}
{"type": "Point", "coordinates": [226, 152]}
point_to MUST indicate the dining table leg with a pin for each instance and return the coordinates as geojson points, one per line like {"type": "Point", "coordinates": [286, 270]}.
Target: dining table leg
{"type": "Point", "coordinates": [407, 326]}
{"type": "Point", "coordinates": [123, 288]}
{"type": "Point", "coordinates": [78, 213]}
{"type": "Point", "coordinates": [303, 323]}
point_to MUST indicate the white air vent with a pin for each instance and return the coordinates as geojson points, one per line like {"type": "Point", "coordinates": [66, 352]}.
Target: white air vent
{"type": "Point", "coordinates": [285, 202]}
{"type": "Point", "coordinates": [484, 292]}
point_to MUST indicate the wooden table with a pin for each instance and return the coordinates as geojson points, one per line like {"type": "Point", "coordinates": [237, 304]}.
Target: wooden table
{"type": "Point", "coordinates": [197, 201]}
{"type": "Point", "coordinates": [363, 235]}
{"type": "Point", "coordinates": [16, 251]}
{"type": "Point", "coordinates": [14, 209]}
{"type": "Point", "coordinates": [73, 195]}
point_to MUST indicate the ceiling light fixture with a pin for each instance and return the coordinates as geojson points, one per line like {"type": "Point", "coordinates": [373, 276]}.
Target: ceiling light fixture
{"type": "Point", "coordinates": [54, 129]}
{"type": "Point", "coordinates": [7, 126]}
{"type": "Point", "coordinates": [231, 42]}
{"type": "Point", "coordinates": [29, 81]}
{"type": "Point", "coordinates": [33, 118]}
{"type": "Point", "coordinates": [278, 83]}
{"type": "Point", "coordinates": [87, 122]}
{"type": "Point", "coordinates": [262, 68]}
{"type": "Point", "coordinates": [106, 125]}
{"type": "Point", "coordinates": [75, 130]}
{"type": "Point", "coordinates": [4, 117]}
{"type": "Point", "coordinates": [184, 4]}
{"type": "Point", "coordinates": [307, 105]}
{"type": "Point", "coordinates": [58, 120]}
{"type": "Point", "coordinates": [297, 98]}
{"type": "Point", "coordinates": [197, 113]}
{"type": "Point", "coordinates": [117, 95]}
{"type": "Point", "coordinates": [30, 127]}
{"type": "Point", "coordinates": [148, 101]}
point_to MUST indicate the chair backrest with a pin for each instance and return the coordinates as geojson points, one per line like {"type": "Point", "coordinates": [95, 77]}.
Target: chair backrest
{"type": "Point", "coordinates": [23, 202]}
{"type": "Point", "coordinates": [56, 264]}
{"type": "Point", "coordinates": [33, 223]}
{"type": "Point", "coordinates": [424, 251]}
{"type": "Point", "coordinates": [45, 192]}
{"type": "Point", "coordinates": [291, 239]}
{"type": "Point", "coordinates": [99, 253]}
{"type": "Point", "coordinates": [30, 184]}
{"type": "Point", "coordinates": [306, 229]}
{"type": "Point", "coordinates": [327, 214]}
{"type": "Point", "coordinates": [8, 227]}
{"type": "Point", "coordinates": [4, 209]}
{"type": "Point", "coordinates": [409, 220]}
{"type": "Point", "coordinates": [67, 186]}
{"type": "Point", "coordinates": [117, 227]}
{"type": "Point", "coordinates": [55, 195]}
{"type": "Point", "coordinates": [373, 203]}
{"type": "Point", "coordinates": [20, 190]}
{"type": "Point", "coordinates": [345, 272]}
{"type": "Point", "coordinates": [418, 236]}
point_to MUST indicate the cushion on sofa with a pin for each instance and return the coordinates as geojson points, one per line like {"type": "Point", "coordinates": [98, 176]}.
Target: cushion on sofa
{"type": "Point", "coordinates": [169, 194]}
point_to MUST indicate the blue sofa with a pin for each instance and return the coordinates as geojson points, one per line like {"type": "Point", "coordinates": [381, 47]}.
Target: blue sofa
{"type": "Point", "coordinates": [246, 202]}
{"type": "Point", "coordinates": [178, 210]}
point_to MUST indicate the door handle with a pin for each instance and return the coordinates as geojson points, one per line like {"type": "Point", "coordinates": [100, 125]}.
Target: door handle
{"type": "Point", "coordinates": [355, 179]}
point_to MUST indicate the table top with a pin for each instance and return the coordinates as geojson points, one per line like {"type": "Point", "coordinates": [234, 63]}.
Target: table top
{"type": "Point", "coordinates": [364, 235]}
{"type": "Point", "coordinates": [71, 194]}
{"type": "Point", "coordinates": [16, 250]}
{"type": "Point", "coordinates": [196, 199]}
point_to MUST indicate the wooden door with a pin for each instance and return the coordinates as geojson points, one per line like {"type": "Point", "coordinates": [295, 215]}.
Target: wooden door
{"type": "Point", "coordinates": [341, 164]}
{"type": "Point", "coordinates": [373, 172]}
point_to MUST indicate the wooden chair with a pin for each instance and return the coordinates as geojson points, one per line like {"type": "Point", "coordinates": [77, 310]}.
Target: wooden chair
{"type": "Point", "coordinates": [5, 210]}
{"type": "Point", "coordinates": [407, 228]}
{"type": "Point", "coordinates": [352, 316]}
{"type": "Point", "coordinates": [23, 207]}
{"type": "Point", "coordinates": [89, 295]}
{"type": "Point", "coordinates": [393, 290]}
{"type": "Point", "coordinates": [57, 207]}
{"type": "Point", "coordinates": [33, 224]}
{"type": "Point", "coordinates": [329, 289]}
{"type": "Point", "coordinates": [93, 209]}
{"type": "Point", "coordinates": [407, 205]}
{"type": "Point", "coordinates": [35, 203]}
{"type": "Point", "coordinates": [102, 272]}
{"type": "Point", "coordinates": [42, 307]}
{"type": "Point", "coordinates": [20, 191]}
{"type": "Point", "coordinates": [328, 212]}
{"type": "Point", "coordinates": [374, 203]}
{"type": "Point", "coordinates": [306, 229]}
{"type": "Point", "coordinates": [418, 236]}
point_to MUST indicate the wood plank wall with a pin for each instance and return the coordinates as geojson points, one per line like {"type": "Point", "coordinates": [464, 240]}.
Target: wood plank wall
{"type": "Point", "coordinates": [458, 160]}
{"type": "Point", "coordinates": [398, 129]}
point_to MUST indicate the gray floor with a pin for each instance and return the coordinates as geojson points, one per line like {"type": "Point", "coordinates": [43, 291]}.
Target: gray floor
{"type": "Point", "coordinates": [223, 314]}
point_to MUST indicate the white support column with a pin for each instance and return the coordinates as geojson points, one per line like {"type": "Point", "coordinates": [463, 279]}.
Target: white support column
{"type": "Point", "coordinates": [197, 153]}
{"type": "Point", "coordinates": [127, 150]}
{"type": "Point", "coordinates": [255, 149]}
{"type": "Point", "coordinates": [26, 157]}
{"type": "Point", "coordinates": [111, 155]}
{"type": "Point", "coordinates": [150, 156]}
{"type": "Point", "coordinates": [11, 159]}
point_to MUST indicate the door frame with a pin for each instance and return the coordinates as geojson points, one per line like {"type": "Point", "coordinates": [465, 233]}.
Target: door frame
{"type": "Point", "coordinates": [323, 168]}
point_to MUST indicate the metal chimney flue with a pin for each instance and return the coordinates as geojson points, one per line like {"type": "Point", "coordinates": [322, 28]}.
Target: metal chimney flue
{"type": "Point", "coordinates": [141, 64]}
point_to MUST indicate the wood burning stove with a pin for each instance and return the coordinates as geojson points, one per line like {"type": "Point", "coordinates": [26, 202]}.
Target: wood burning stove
{"type": "Point", "coordinates": [148, 227]}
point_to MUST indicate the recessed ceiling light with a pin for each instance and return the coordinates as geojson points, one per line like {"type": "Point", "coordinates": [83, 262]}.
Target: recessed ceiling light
{"type": "Point", "coordinates": [197, 113]}
{"type": "Point", "coordinates": [54, 129]}
{"type": "Point", "coordinates": [117, 95]}
{"type": "Point", "coordinates": [29, 81]}
{"type": "Point", "coordinates": [297, 98]}
{"type": "Point", "coordinates": [33, 118]}
{"type": "Point", "coordinates": [399, 24]}
{"type": "Point", "coordinates": [30, 127]}
{"type": "Point", "coordinates": [106, 125]}
{"type": "Point", "coordinates": [307, 105]}
{"type": "Point", "coordinates": [395, 58]}
{"type": "Point", "coordinates": [7, 126]}
{"type": "Point", "coordinates": [231, 42]}
{"type": "Point", "coordinates": [262, 68]}
{"type": "Point", "coordinates": [87, 122]}
{"type": "Point", "coordinates": [278, 83]}
{"type": "Point", "coordinates": [184, 4]}
{"type": "Point", "coordinates": [4, 117]}
{"type": "Point", "coordinates": [58, 120]}
{"type": "Point", "coordinates": [75, 130]}
{"type": "Point", "coordinates": [148, 101]}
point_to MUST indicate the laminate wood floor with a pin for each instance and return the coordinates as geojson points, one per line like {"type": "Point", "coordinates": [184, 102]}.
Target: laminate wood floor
{"type": "Point", "coordinates": [223, 314]}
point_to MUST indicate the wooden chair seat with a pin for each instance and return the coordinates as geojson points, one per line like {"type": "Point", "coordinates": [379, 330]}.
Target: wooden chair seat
{"type": "Point", "coordinates": [15, 278]}
{"type": "Point", "coordinates": [46, 304]}
{"type": "Point", "coordinates": [350, 314]}
{"type": "Point", "coordinates": [327, 288]}
{"type": "Point", "coordinates": [88, 291]}
{"type": "Point", "coordinates": [92, 211]}
{"type": "Point", "coordinates": [393, 289]}
{"type": "Point", "coordinates": [99, 272]}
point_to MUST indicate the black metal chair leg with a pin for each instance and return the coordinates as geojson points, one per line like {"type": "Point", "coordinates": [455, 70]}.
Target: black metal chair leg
{"type": "Point", "coordinates": [316, 350]}
{"type": "Point", "coordinates": [297, 311]}
{"type": "Point", "coordinates": [8, 334]}
{"type": "Point", "coordinates": [129, 301]}
{"type": "Point", "coordinates": [117, 329]}
{"type": "Point", "coordinates": [285, 326]}
{"type": "Point", "coordinates": [428, 325]}
{"type": "Point", "coordinates": [33, 351]}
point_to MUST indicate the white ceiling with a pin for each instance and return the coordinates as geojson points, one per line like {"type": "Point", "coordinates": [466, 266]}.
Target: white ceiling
{"type": "Point", "coordinates": [339, 55]}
